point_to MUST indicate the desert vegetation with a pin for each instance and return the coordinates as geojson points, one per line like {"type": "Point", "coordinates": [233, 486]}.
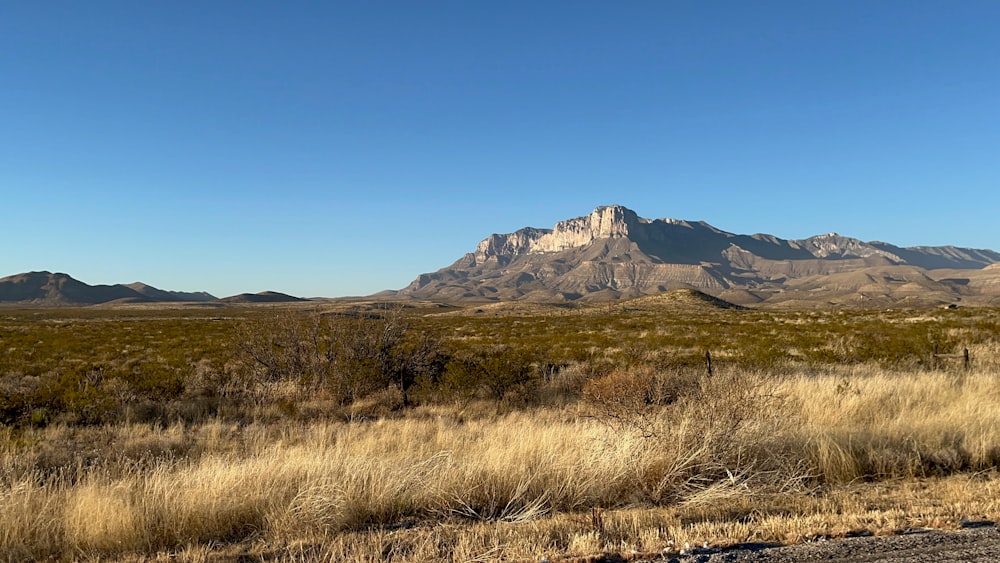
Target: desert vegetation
{"type": "Point", "coordinates": [377, 432]}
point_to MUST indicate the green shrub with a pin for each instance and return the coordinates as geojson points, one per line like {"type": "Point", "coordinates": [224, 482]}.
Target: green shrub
{"type": "Point", "coordinates": [84, 392]}
{"type": "Point", "coordinates": [497, 372]}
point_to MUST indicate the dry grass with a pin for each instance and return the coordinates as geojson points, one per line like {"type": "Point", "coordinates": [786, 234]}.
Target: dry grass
{"type": "Point", "coordinates": [322, 479]}
{"type": "Point", "coordinates": [736, 458]}
{"type": "Point", "coordinates": [866, 423]}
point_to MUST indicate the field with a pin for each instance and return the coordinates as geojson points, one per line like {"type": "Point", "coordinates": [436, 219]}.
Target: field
{"type": "Point", "coordinates": [338, 431]}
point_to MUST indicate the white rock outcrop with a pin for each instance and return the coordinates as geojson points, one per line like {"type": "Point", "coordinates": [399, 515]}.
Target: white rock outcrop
{"type": "Point", "coordinates": [613, 221]}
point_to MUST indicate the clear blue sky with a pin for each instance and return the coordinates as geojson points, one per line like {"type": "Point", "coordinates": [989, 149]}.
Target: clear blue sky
{"type": "Point", "coordinates": [342, 148]}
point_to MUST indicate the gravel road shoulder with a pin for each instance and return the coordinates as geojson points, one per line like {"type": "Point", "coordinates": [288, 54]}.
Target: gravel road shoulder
{"type": "Point", "coordinates": [978, 543]}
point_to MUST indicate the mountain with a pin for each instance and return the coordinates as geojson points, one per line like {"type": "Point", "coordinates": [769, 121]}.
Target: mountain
{"type": "Point", "coordinates": [60, 289]}
{"type": "Point", "coordinates": [612, 253]}
{"type": "Point", "coordinates": [46, 288]}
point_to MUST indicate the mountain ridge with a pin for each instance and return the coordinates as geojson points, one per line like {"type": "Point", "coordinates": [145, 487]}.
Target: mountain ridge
{"type": "Point", "coordinates": [613, 253]}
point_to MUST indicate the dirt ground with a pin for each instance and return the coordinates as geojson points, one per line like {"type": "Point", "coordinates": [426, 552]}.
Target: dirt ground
{"type": "Point", "coordinates": [978, 542]}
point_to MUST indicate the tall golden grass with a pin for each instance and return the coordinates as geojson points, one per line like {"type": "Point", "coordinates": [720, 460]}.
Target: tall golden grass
{"type": "Point", "coordinates": [444, 483]}
{"type": "Point", "coordinates": [865, 423]}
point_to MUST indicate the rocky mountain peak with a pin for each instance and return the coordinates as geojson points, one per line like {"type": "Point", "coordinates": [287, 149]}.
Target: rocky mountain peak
{"type": "Point", "coordinates": [612, 221]}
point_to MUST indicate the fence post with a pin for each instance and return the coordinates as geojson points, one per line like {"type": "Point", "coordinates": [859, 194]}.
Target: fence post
{"type": "Point", "coordinates": [965, 353]}
{"type": "Point", "coordinates": [708, 362]}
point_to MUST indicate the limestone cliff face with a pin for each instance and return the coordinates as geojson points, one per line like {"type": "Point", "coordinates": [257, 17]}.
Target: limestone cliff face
{"type": "Point", "coordinates": [612, 221]}
{"type": "Point", "coordinates": [604, 222]}
{"type": "Point", "coordinates": [504, 247]}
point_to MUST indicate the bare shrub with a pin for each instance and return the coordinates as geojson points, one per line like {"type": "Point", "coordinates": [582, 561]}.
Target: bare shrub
{"type": "Point", "coordinates": [706, 436]}
{"type": "Point", "coordinates": [285, 347]}
{"type": "Point", "coordinates": [632, 398]}
{"type": "Point", "coordinates": [348, 356]}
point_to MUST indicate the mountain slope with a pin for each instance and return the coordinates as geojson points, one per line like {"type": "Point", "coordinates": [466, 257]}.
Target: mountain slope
{"type": "Point", "coordinates": [613, 253]}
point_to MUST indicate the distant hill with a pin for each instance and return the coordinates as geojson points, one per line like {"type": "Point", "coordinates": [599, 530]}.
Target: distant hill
{"type": "Point", "coordinates": [47, 288]}
{"type": "Point", "coordinates": [677, 299]}
{"type": "Point", "coordinates": [614, 254]}
{"type": "Point", "coordinates": [262, 297]}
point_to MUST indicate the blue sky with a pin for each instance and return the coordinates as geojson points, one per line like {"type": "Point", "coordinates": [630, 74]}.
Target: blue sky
{"type": "Point", "coordinates": [342, 148]}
